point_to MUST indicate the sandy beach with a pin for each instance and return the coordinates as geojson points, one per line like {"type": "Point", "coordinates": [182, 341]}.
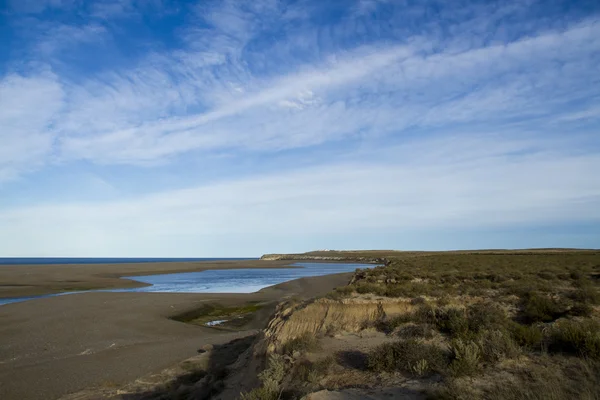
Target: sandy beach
{"type": "Point", "coordinates": [55, 346]}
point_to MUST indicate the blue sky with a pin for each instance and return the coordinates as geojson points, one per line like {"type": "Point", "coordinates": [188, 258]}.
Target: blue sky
{"type": "Point", "coordinates": [235, 128]}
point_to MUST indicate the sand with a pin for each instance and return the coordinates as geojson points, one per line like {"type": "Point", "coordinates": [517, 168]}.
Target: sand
{"type": "Point", "coordinates": [55, 346]}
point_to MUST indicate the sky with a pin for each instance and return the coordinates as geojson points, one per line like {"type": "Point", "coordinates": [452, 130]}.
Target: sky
{"type": "Point", "coordinates": [162, 128]}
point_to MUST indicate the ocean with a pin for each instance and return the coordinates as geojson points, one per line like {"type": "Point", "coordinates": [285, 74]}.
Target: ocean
{"type": "Point", "coordinates": [102, 260]}
{"type": "Point", "coordinates": [222, 280]}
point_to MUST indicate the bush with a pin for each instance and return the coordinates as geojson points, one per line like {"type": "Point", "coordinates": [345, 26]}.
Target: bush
{"type": "Point", "coordinates": [408, 356]}
{"type": "Point", "coordinates": [268, 391]}
{"type": "Point", "coordinates": [497, 345]}
{"type": "Point", "coordinates": [305, 342]}
{"type": "Point", "coordinates": [395, 291]}
{"type": "Point", "coordinates": [540, 308]}
{"type": "Point", "coordinates": [387, 325]}
{"type": "Point", "coordinates": [271, 379]}
{"type": "Point", "coordinates": [417, 331]}
{"type": "Point", "coordinates": [581, 310]}
{"type": "Point", "coordinates": [579, 338]}
{"type": "Point", "coordinates": [340, 292]}
{"type": "Point", "coordinates": [465, 358]}
{"type": "Point", "coordinates": [528, 336]}
{"type": "Point", "coordinates": [367, 287]}
{"type": "Point", "coordinates": [452, 321]}
{"type": "Point", "coordinates": [486, 316]}
{"type": "Point", "coordinates": [418, 301]}
{"type": "Point", "coordinates": [312, 372]}
{"type": "Point", "coordinates": [547, 275]}
{"type": "Point", "coordinates": [586, 294]}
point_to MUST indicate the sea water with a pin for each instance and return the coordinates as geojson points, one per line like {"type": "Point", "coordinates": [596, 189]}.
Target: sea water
{"type": "Point", "coordinates": [246, 280]}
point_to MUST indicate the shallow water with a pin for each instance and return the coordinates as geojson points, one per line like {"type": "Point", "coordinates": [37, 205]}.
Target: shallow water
{"type": "Point", "coordinates": [222, 280]}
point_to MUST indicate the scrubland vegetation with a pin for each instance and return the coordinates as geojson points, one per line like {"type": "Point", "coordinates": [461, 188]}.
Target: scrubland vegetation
{"type": "Point", "coordinates": [474, 326]}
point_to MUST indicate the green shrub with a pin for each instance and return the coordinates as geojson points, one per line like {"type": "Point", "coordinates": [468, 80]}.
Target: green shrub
{"type": "Point", "coordinates": [387, 325]}
{"type": "Point", "coordinates": [443, 301]}
{"type": "Point", "coordinates": [581, 310]}
{"type": "Point", "coordinates": [395, 290]}
{"type": "Point", "coordinates": [586, 294]}
{"type": "Point", "coordinates": [340, 292]}
{"type": "Point", "coordinates": [576, 337]}
{"type": "Point", "coordinates": [409, 356]}
{"type": "Point", "coordinates": [418, 301]}
{"type": "Point", "coordinates": [417, 331]}
{"type": "Point", "coordinates": [303, 343]}
{"type": "Point", "coordinates": [453, 321]}
{"type": "Point", "coordinates": [486, 316]}
{"type": "Point", "coordinates": [312, 372]}
{"type": "Point", "coordinates": [345, 290]}
{"type": "Point", "coordinates": [541, 308]}
{"type": "Point", "coordinates": [270, 378]}
{"type": "Point", "coordinates": [497, 345]}
{"type": "Point", "coordinates": [547, 275]}
{"type": "Point", "coordinates": [528, 336]}
{"type": "Point", "coordinates": [466, 356]}
{"type": "Point", "coordinates": [268, 391]}
{"type": "Point", "coordinates": [367, 287]}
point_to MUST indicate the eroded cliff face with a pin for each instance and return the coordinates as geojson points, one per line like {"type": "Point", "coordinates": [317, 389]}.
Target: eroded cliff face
{"type": "Point", "coordinates": [324, 317]}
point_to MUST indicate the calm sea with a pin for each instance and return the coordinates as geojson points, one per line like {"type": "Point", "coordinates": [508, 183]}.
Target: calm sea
{"type": "Point", "coordinates": [222, 280]}
{"type": "Point", "coordinates": [74, 260]}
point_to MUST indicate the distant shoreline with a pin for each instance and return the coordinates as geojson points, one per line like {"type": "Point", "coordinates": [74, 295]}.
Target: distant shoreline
{"type": "Point", "coordinates": [109, 260]}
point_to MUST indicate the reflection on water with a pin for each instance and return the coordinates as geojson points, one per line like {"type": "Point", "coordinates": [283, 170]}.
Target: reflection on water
{"type": "Point", "coordinates": [223, 280]}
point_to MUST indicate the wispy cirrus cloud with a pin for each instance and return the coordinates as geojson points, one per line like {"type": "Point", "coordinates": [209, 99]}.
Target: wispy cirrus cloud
{"type": "Point", "coordinates": [29, 107]}
{"type": "Point", "coordinates": [420, 188]}
{"type": "Point", "coordinates": [492, 109]}
{"type": "Point", "coordinates": [59, 37]}
{"type": "Point", "coordinates": [496, 83]}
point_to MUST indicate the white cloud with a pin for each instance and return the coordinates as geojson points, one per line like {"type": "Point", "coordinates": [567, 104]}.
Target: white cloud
{"type": "Point", "coordinates": [59, 37]}
{"type": "Point", "coordinates": [206, 98]}
{"type": "Point", "coordinates": [370, 90]}
{"type": "Point", "coordinates": [434, 184]}
{"type": "Point", "coordinates": [141, 116]}
{"type": "Point", "coordinates": [226, 91]}
{"type": "Point", "coordinates": [28, 110]}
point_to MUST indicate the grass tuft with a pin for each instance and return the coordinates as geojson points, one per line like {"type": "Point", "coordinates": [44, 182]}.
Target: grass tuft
{"type": "Point", "coordinates": [466, 356]}
{"type": "Point", "coordinates": [303, 343]}
{"type": "Point", "coordinates": [409, 356]}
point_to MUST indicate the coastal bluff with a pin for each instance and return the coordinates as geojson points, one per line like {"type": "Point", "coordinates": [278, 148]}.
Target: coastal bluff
{"type": "Point", "coordinates": [327, 255]}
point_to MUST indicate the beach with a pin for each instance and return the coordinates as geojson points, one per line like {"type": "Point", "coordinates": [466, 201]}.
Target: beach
{"type": "Point", "coordinates": [51, 347]}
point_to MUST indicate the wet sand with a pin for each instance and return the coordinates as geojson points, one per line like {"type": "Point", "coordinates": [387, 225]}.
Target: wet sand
{"type": "Point", "coordinates": [55, 346]}
{"type": "Point", "coordinates": [33, 280]}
